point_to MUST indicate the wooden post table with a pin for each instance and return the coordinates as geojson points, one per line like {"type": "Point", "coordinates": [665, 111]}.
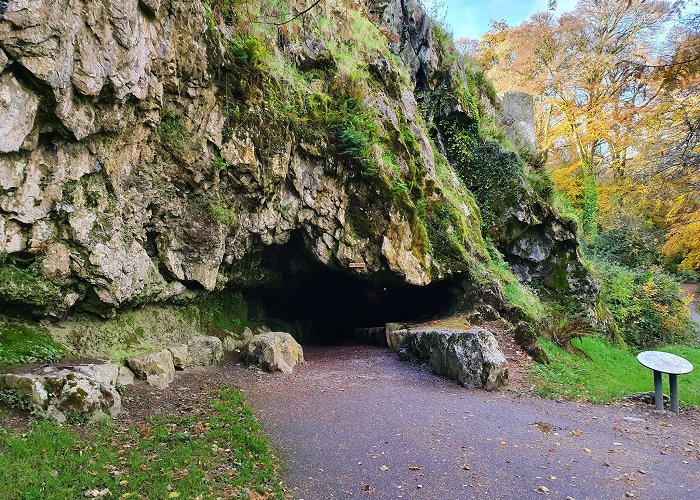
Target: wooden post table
{"type": "Point", "coordinates": [665, 362]}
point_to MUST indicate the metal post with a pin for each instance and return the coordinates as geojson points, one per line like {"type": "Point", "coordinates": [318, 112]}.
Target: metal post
{"type": "Point", "coordinates": [673, 379]}
{"type": "Point", "coordinates": [658, 391]}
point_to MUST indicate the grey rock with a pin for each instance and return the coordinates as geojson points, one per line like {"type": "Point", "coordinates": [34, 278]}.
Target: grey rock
{"type": "Point", "coordinates": [18, 108]}
{"type": "Point", "coordinates": [86, 395]}
{"type": "Point", "coordinates": [517, 113]}
{"type": "Point", "coordinates": [237, 341]}
{"type": "Point", "coordinates": [644, 397]}
{"type": "Point", "coordinates": [313, 54]}
{"type": "Point", "coordinates": [126, 376]}
{"type": "Point", "coordinates": [470, 357]}
{"type": "Point", "coordinates": [63, 389]}
{"type": "Point", "coordinates": [204, 351]}
{"type": "Point", "coordinates": [157, 368]}
{"type": "Point", "coordinates": [527, 340]}
{"type": "Point", "coordinates": [179, 354]}
{"type": "Point", "coordinates": [275, 351]}
{"type": "Point", "coordinates": [4, 60]}
{"type": "Point", "coordinates": [397, 337]}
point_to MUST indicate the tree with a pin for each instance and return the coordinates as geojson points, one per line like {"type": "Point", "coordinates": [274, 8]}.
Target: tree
{"type": "Point", "coordinates": [590, 70]}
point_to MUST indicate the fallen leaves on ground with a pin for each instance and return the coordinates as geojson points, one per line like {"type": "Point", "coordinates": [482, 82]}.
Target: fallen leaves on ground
{"type": "Point", "coordinates": [544, 426]}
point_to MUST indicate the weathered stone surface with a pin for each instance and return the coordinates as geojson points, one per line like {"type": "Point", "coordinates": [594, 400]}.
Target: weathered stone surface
{"type": "Point", "coordinates": [397, 336]}
{"type": "Point", "coordinates": [527, 340]}
{"type": "Point", "coordinates": [62, 390]}
{"type": "Point", "coordinates": [517, 113]}
{"type": "Point", "coordinates": [204, 351]}
{"type": "Point", "coordinates": [179, 354]}
{"type": "Point", "coordinates": [470, 357]}
{"type": "Point", "coordinates": [4, 60]}
{"type": "Point", "coordinates": [275, 351]}
{"type": "Point", "coordinates": [134, 186]}
{"type": "Point", "coordinates": [156, 368]}
{"type": "Point", "coordinates": [18, 107]}
{"type": "Point", "coordinates": [237, 341]}
{"type": "Point", "coordinates": [126, 376]}
{"type": "Point", "coordinates": [86, 395]}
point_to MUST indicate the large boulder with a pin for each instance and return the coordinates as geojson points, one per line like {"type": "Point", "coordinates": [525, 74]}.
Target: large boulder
{"type": "Point", "coordinates": [470, 357]}
{"type": "Point", "coordinates": [204, 351]}
{"type": "Point", "coordinates": [156, 368]}
{"type": "Point", "coordinates": [275, 351]}
{"type": "Point", "coordinates": [62, 390]}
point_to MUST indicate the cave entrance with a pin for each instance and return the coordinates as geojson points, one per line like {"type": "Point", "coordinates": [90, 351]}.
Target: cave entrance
{"type": "Point", "coordinates": [325, 305]}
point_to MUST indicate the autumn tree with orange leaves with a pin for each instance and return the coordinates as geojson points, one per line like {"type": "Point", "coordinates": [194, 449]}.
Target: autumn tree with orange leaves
{"type": "Point", "coordinates": [617, 110]}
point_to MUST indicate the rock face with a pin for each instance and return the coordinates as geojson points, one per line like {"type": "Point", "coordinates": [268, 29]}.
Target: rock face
{"type": "Point", "coordinates": [63, 390]}
{"type": "Point", "coordinates": [275, 351]}
{"type": "Point", "coordinates": [137, 163]}
{"type": "Point", "coordinates": [470, 357]}
{"type": "Point", "coordinates": [517, 113]}
{"type": "Point", "coordinates": [156, 368]}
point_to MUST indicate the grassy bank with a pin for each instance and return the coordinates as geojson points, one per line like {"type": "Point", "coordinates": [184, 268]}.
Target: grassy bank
{"type": "Point", "coordinates": [217, 451]}
{"type": "Point", "coordinates": [612, 372]}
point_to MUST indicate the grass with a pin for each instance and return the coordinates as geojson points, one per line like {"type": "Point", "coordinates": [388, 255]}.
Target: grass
{"type": "Point", "coordinates": [214, 452]}
{"type": "Point", "coordinates": [611, 372]}
{"type": "Point", "coordinates": [24, 344]}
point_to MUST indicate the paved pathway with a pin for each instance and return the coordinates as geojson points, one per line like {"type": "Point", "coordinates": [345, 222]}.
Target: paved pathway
{"type": "Point", "coordinates": [694, 290]}
{"type": "Point", "coordinates": [355, 422]}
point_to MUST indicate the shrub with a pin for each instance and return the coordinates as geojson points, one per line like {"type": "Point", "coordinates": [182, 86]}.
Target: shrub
{"type": "Point", "coordinates": [646, 306]}
{"type": "Point", "coordinates": [564, 329]}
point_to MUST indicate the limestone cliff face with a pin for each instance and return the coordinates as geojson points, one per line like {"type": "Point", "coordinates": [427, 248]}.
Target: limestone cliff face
{"type": "Point", "coordinates": [152, 149]}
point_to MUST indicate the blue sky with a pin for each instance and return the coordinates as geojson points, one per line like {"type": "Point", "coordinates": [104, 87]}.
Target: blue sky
{"type": "Point", "coordinates": [471, 18]}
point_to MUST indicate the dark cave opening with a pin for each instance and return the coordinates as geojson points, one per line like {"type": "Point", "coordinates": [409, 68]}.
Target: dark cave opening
{"type": "Point", "coordinates": [326, 305]}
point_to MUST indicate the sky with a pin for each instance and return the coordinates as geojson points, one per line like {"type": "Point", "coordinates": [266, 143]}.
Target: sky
{"type": "Point", "coordinates": [472, 18]}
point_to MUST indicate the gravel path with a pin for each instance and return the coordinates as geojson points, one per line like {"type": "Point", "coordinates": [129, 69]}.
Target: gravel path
{"type": "Point", "coordinates": [354, 421]}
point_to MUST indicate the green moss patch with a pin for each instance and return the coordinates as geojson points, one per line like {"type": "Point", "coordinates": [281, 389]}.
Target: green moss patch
{"type": "Point", "coordinates": [21, 344]}
{"type": "Point", "coordinates": [22, 288]}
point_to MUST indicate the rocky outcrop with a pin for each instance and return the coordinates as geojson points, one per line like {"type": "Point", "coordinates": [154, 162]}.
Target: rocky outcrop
{"type": "Point", "coordinates": [517, 114]}
{"type": "Point", "coordinates": [470, 357]}
{"type": "Point", "coordinates": [275, 351]}
{"type": "Point", "coordinates": [64, 390]}
{"type": "Point", "coordinates": [137, 162]}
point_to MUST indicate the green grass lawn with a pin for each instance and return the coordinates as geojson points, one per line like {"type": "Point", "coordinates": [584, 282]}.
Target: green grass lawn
{"type": "Point", "coordinates": [611, 372]}
{"type": "Point", "coordinates": [213, 452]}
